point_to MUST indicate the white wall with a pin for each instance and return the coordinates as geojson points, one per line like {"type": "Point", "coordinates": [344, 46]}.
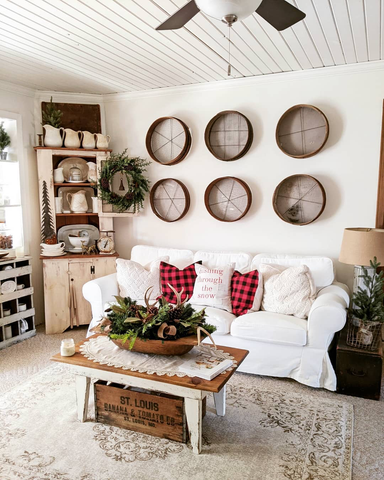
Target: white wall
{"type": "Point", "coordinates": [351, 98]}
{"type": "Point", "coordinates": [20, 102]}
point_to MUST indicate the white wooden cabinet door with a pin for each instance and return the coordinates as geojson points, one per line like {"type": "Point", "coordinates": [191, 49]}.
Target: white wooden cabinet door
{"type": "Point", "coordinates": [80, 272]}
{"type": "Point", "coordinates": [104, 266]}
{"type": "Point", "coordinates": [56, 296]}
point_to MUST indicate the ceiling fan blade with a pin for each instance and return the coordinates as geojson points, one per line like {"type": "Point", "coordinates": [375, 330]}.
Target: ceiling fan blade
{"type": "Point", "coordinates": [279, 13]}
{"type": "Point", "coordinates": [181, 17]}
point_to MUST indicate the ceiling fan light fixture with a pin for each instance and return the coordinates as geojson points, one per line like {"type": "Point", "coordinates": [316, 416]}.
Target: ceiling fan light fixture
{"type": "Point", "coordinates": [220, 9]}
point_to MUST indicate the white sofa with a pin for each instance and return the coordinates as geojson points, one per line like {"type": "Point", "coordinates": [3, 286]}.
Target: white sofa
{"type": "Point", "coordinates": [279, 345]}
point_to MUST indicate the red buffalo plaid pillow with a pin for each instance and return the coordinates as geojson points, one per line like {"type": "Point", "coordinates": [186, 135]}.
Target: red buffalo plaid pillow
{"type": "Point", "coordinates": [178, 279]}
{"type": "Point", "coordinates": [246, 293]}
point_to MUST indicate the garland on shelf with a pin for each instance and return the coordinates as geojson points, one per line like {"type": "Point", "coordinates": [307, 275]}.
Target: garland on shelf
{"type": "Point", "coordinates": [138, 185]}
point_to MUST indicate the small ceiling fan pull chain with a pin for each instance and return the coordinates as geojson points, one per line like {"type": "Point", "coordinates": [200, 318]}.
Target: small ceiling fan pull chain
{"type": "Point", "coordinates": [229, 52]}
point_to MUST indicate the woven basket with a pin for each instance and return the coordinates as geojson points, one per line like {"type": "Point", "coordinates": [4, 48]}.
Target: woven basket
{"type": "Point", "coordinates": [363, 335]}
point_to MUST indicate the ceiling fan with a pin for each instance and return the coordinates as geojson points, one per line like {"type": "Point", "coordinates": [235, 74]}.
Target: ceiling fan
{"type": "Point", "coordinates": [279, 13]}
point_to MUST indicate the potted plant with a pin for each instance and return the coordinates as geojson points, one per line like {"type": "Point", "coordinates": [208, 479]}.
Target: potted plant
{"type": "Point", "coordinates": [367, 310]}
{"type": "Point", "coordinates": [160, 327]}
{"type": "Point", "coordinates": [5, 141]}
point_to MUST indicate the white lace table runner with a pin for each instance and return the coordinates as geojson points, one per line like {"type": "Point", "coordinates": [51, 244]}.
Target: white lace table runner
{"type": "Point", "coordinates": [102, 350]}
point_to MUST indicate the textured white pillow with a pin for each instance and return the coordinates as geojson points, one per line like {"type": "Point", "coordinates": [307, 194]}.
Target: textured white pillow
{"type": "Point", "coordinates": [213, 286]}
{"type": "Point", "coordinates": [287, 290]}
{"type": "Point", "coordinates": [134, 279]}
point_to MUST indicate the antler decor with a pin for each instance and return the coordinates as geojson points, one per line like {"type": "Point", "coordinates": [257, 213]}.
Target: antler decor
{"type": "Point", "coordinates": [178, 295]}
{"type": "Point", "coordinates": [159, 320]}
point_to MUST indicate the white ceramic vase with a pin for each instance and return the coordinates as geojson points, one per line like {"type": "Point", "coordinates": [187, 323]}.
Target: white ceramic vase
{"type": "Point", "coordinates": [53, 137]}
{"type": "Point", "coordinates": [88, 140]}
{"type": "Point", "coordinates": [71, 138]}
{"type": "Point", "coordinates": [58, 175]}
{"type": "Point", "coordinates": [92, 175]}
{"type": "Point", "coordinates": [102, 141]}
{"type": "Point", "coordinates": [77, 202]}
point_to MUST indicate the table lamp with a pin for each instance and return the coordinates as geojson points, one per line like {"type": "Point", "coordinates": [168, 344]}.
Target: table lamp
{"type": "Point", "coordinates": [359, 246]}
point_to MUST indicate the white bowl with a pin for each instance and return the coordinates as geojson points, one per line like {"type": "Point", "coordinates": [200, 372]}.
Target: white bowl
{"type": "Point", "coordinates": [78, 242]}
{"type": "Point", "coordinates": [55, 246]}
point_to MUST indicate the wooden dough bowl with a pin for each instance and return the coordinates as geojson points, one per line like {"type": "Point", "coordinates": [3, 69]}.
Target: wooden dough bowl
{"type": "Point", "coordinates": [160, 347]}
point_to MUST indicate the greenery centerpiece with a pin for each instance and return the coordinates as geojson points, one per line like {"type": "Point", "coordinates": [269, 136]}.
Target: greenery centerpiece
{"type": "Point", "coordinates": [133, 169]}
{"type": "Point", "coordinates": [159, 327]}
{"type": "Point", "coordinates": [367, 309]}
{"type": "Point", "coordinates": [5, 141]}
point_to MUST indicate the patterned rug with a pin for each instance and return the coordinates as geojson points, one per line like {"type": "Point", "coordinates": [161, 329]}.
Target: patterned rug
{"type": "Point", "coordinates": [266, 435]}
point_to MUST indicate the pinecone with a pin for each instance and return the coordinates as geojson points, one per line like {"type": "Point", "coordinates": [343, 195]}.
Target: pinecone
{"type": "Point", "coordinates": [129, 196]}
{"type": "Point", "coordinates": [105, 184]}
{"type": "Point", "coordinates": [128, 168]}
{"type": "Point", "coordinates": [175, 313]}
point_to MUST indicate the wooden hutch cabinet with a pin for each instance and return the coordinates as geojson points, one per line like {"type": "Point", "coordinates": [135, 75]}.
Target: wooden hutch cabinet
{"type": "Point", "coordinates": [65, 276]}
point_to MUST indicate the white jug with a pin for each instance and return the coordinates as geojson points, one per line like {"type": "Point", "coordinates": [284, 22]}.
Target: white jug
{"type": "Point", "coordinates": [58, 175]}
{"type": "Point", "coordinates": [53, 137]}
{"type": "Point", "coordinates": [92, 175]}
{"type": "Point", "coordinates": [77, 202]}
{"type": "Point", "coordinates": [71, 138]}
{"type": "Point", "coordinates": [88, 140]}
{"type": "Point", "coordinates": [102, 141]}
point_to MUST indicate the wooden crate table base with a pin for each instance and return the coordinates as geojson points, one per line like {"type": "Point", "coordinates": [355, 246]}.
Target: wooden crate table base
{"type": "Point", "coordinates": [192, 390]}
{"type": "Point", "coordinates": [157, 414]}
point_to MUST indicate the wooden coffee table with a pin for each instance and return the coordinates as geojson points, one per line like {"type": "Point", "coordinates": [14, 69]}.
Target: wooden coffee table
{"type": "Point", "coordinates": [193, 390]}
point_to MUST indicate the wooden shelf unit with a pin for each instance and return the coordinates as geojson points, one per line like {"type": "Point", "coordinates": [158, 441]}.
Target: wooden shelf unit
{"type": "Point", "coordinates": [64, 277]}
{"type": "Point", "coordinates": [20, 273]}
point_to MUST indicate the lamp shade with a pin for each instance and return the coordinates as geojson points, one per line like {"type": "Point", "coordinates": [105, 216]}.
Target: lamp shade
{"type": "Point", "coordinates": [360, 245]}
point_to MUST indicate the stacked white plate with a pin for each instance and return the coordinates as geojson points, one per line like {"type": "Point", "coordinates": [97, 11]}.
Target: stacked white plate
{"type": "Point", "coordinates": [55, 250]}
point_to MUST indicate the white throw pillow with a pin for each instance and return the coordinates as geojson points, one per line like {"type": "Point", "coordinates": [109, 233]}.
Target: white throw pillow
{"type": "Point", "coordinates": [287, 290]}
{"type": "Point", "coordinates": [134, 279]}
{"type": "Point", "coordinates": [213, 286]}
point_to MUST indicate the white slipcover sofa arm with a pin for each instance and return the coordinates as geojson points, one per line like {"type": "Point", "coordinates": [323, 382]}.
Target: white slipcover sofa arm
{"type": "Point", "coordinates": [99, 292]}
{"type": "Point", "coordinates": [327, 315]}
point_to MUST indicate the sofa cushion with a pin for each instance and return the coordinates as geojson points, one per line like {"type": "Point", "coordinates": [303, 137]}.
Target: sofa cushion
{"type": "Point", "coordinates": [221, 319]}
{"type": "Point", "coordinates": [213, 286]}
{"type": "Point", "coordinates": [271, 328]}
{"type": "Point", "coordinates": [241, 260]}
{"type": "Point", "coordinates": [246, 292]}
{"type": "Point", "coordinates": [134, 279]}
{"type": "Point", "coordinates": [321, 268]}
{"type": "Point", "coordinates": [287, 290]}
{"type": "Point", "coordinates": [144, 254]}
{"type": "Point", "coordinates": [182, 280]}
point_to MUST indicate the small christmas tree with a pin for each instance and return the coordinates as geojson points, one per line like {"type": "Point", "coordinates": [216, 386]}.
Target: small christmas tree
{"type": "Point", "coordinates": [47, 229]}
{"type": "Point", "coordinates": [5, 139]}
{"type": "Point", "coordinates": [51, 115]}
{"type": "Point", "coordinates": [367, 304]}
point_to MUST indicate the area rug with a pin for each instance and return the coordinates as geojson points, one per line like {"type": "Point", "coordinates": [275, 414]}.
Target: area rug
{"type": "Point", "coordinates": [265, 434]}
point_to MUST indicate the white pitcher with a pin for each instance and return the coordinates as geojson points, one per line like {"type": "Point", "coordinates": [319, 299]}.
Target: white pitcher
{"type": "Point", "coordinates": [88, 140]}
{"type": "Point", "coordinates": [77, 202]}
{"type": "Point", "coordinates": [53, 137]}
{"type": "Point", "coordinates": [92, 175]}
{"type": "Point", "coordinates": [71, 138]}
{"type": "Point", "coordinates": [102, 141]}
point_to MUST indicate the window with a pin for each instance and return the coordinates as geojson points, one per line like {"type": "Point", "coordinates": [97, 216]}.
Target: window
{"type": "Point", "coordinates": [11, 220]}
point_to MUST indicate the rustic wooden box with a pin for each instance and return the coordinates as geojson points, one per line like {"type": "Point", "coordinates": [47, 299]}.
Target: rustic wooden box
{"type": "Point", "coordinates": [358, 371]}
{"type": "Point", "coordinates": [136, 409]}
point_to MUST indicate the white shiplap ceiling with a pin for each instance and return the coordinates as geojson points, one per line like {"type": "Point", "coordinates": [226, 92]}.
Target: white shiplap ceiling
{"type": "Point", "coordinates": [108, 46]}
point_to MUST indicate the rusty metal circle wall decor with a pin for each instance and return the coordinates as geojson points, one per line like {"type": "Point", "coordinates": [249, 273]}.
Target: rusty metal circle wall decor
{"type": "Point", "coordinates": [169, 199]}
{"type": "Point", "coordinates": [229, 135]}
{"type": "Point", "coordinates": [228, 199]}
{"type": "Point", "coordinates": [168, 140]}
{"type": "Point", "coordinates": [299, 199]}
{"type": "Point", "coordinates": [302, 131]}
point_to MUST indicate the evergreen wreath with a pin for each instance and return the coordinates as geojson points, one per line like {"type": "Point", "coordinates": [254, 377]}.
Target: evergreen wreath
{"type": "Point", "coordinates": [133, 169]}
